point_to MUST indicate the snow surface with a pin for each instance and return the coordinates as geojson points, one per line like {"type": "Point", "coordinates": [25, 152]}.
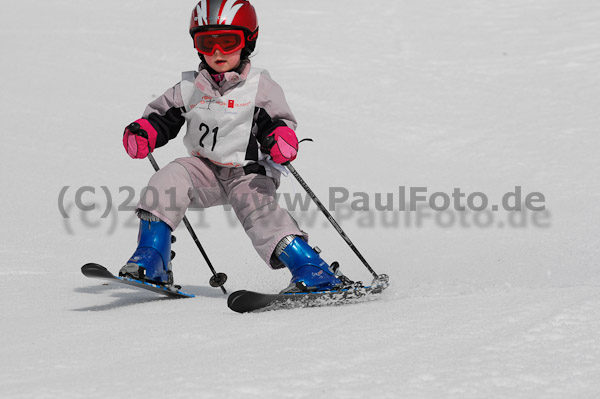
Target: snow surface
{"type": "Point", "coordinates": [480, 95]}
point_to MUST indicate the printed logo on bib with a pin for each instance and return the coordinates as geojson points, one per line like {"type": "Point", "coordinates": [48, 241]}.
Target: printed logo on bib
{"type": "Point", "coordinates": [204, 103]}
{"type": "Point", "coordinates": [207, 101]}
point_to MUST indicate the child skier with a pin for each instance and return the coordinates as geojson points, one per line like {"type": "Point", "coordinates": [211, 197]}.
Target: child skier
{"type": "Point", "coordinates": [239, 127]}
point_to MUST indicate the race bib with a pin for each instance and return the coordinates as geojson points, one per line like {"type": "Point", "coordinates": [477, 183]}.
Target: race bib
{"type": "Point", "coordinates": [219, 127]}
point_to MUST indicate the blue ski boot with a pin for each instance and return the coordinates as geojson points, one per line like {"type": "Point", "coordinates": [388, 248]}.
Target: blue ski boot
{"type": "Point", "coordinates": [151, 261]}
{"type": "Point", "coordinates": [309, 271]}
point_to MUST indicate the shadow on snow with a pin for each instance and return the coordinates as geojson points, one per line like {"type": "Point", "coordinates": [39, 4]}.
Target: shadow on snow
{"type": "Point", "coordinates": [126, 296]}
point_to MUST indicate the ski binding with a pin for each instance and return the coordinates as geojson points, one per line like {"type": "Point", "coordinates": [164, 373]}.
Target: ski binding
{"type": "Point", "coordinates": [94, 270]}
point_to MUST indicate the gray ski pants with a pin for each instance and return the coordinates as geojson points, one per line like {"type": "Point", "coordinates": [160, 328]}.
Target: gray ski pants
{"type": "Point", "coordinates": [197, 182]}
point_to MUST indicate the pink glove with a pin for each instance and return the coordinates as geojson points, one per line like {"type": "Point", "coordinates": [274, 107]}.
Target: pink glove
{"type": "Point", "coordinates": [284, 145]}
{"type": "Point", "coordinates": [139, 139]}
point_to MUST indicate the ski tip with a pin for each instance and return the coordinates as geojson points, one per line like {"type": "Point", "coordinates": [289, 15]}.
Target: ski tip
{"type": "Point", "coordinates": [95, 270]}
{"type": "Point", "coordinates": [233, 301]}
{"type": "Point", "coordinates": [248, 301]}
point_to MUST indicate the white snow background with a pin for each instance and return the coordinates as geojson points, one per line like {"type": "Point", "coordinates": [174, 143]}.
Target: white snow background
{"type": "Point", "coordinates": [478, 95]}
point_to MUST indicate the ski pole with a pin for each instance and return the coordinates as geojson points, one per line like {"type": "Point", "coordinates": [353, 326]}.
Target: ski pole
{"type": "Point", "coordinates": [330, 218]}
{"type": "Point", "coordinates": [217, 279]}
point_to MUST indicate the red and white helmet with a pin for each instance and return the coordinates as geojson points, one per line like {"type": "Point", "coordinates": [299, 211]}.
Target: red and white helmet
{"type": "Point", "coordinates": [226, 14]}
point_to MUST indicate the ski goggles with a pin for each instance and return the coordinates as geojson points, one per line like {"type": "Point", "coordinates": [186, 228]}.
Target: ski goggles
{"type": "Point", "coordinates": [227, 41]}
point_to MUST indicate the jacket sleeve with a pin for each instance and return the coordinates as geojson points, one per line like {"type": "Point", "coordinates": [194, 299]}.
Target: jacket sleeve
{"type": "Point", "coordinates": [165, 114]}
{"type": "Point", "coordinates": [272, 109]}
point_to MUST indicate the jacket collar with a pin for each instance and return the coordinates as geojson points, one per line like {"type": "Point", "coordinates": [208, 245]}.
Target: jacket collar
{"type": "Point", "coordinates": [225, 81]}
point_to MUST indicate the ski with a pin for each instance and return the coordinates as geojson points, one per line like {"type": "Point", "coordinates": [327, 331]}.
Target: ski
{"type": "Point", "coordinates": [249, 301]}
{"type": "Point", "coordinates": [94, 270]}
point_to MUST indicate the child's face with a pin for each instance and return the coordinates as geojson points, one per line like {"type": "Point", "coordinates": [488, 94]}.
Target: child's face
{"type": "Point", "coordinates": [223, 62]}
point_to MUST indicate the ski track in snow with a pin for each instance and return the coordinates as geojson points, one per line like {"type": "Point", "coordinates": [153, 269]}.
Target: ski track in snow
{"type": "Point", "coordinates": [476, 95]}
